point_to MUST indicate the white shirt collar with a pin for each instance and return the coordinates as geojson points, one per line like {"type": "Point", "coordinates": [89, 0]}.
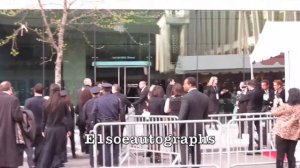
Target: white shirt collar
{"type": "Point", "coordinates": [37, 94]}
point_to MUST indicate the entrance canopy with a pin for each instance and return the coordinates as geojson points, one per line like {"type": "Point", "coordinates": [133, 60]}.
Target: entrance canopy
{"type": "Point", "coordinates": [277, 38]}
{"type": "Point", "coordinates": [121, 64]}
{"type": "Point", "coordinates": [215, 64]}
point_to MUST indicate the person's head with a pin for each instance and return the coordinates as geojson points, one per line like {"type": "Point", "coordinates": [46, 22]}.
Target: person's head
{"type": "Point", "coordinates": [213, 81]}
{"type": "Point", "coordinates": [158, 91]}
{"type": "Point", "coordinates": [171, 81]}
{"type": "Point", "coordinates": [151, 91]}
{"type": "Point", "coordinates": [38, 88]}
{"type": "Point", "coordinates": [106, 87]}
{"type": "Point", "coordinates": [65, 96]}
{"type": "Point", "coordinates": [277, 84]}
{"type": "Point", "coordinates": [152, 88]}
{"type": "Point", "coordinates": [95, 91]}
{"type": "Point", "coordinates": [177, 90]}
{"type": "Point", "coordinates": [84, 96]}
{"type": "Point", "coordinates": [251, 84]}
{"type": "Point", "coordinates": [54, 98]}
{"type": "Point", "coordinates": [189, 82]}
{"type": "Point", "coordinates": [87, 82]}
{"type": "Point", "coordinates": [54, 89]}
{"type": "Point", "coordinates": [0, 88]}
{"type": "Point", "coordinates": [294, 96]}
{"type": "Point", "coordinates": [115, 88]}
{"type": "Point", "coordinates": [7, 87]}
{"type": "Point", "coordinates": [265, 84]}
{"type": "Point", "coordinates": [243, 85]}
{"type": "Point", "coordinates": [142, 84]}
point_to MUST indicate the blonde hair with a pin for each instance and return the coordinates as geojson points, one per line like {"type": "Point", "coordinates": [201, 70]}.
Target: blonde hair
{"type": "Point", "coordinates": [212, 80]}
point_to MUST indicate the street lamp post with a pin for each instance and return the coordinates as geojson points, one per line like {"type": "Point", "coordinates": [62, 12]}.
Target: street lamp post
{"type": "Point", "coordinates": [43, 63]}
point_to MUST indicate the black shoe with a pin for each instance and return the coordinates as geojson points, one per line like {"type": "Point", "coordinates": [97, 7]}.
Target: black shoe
{"type": "Point", "coordinates": [74, 156]}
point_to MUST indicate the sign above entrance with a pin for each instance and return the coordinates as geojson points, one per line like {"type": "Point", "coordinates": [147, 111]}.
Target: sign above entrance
{"type": "Point", "coordinates": [116, 64]}
{"type": "Point", "coordinates": [123, 57]}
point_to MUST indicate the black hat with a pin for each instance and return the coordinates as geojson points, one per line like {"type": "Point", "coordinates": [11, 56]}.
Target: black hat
{"type": "Point", "coordinates": [95, 90]}
{"type": "Point", "coordinates": [63, 93]}
{"type": "Point", "coordinates": [106, 85]}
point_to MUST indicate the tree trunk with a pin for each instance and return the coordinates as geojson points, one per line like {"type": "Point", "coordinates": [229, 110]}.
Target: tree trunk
{"type": "Point", "coordinates": [58, 66]}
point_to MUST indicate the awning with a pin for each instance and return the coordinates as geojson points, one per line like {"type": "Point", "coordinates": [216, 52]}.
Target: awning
{"type": "Point", "coordinates": [277, 38]}
{"type": "Point", "coordinates": [215, 64]}
{"type": "Point", "coordinates": [116, 64]}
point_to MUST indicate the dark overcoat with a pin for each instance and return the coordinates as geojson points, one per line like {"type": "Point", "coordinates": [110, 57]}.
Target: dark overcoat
{"type": "Point", "coordinates": [11, 155]}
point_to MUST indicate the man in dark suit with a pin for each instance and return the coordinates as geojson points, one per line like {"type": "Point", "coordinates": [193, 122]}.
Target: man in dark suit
{"type": "Point", "coordinates": [124, 101]}
{"type": "Point", "coordinates": [140, 103]}
{"type": "Point", "coordinates": [194, 106]}
{"type": "Point", "coordinates": [268, 96]}
{"type": "Point", "coordinates": [254, 99]}
{"type": "Point", "coordinates": [11, 153]}
{"type": "Point", "coordinates": [35, 104]}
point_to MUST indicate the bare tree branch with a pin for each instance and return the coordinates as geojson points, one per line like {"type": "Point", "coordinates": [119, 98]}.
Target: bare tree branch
{"type": "Point", "coordinates": [44, 17]}
{"type": "Point", "coordinates": [85, 37]}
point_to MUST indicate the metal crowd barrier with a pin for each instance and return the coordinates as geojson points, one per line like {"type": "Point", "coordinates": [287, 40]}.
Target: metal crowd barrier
{"type": "Point", "coordinates": [253, 145]}
{"type": "Point", "coordinates": [166, 141]}
{"type": "Point", "coordinates": [225, 118]}
{"type": "Point", "coordinates": [232, 140]}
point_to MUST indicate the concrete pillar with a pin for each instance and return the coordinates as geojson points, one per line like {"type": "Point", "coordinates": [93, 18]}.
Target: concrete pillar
{"type": "Point", "coordinates": [208, 32]}
{"type": "Point", "coordinates": [203, 40]}
{"type": "Point", "coordinates": [215, 30]}
{"type": "Point", "coordinates": [183, 40]}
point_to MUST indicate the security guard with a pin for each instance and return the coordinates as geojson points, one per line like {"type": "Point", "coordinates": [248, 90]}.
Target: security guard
{"type": "Point", "coordinates": [107, 108]}
{"type": "Point", "coordinates": [87, 112]}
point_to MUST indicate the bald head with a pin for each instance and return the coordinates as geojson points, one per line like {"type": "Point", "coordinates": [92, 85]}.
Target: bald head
{"type": "Point", "coordinates": [6, 87]}
{"type": "Point", "coordinates": [87, 82]}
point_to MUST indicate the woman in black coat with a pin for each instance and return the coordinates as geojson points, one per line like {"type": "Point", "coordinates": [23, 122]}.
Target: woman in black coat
{"type": "Point", "coordinates": [55, 129]}
{"type": "Point", "coordinates": [212, 91]}
{"type": "Point", "coordinates": [156, 107]}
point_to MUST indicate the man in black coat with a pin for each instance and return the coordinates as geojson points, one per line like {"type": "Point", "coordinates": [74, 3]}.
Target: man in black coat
{"type": "Point", "coordinates": [268, 96]}
{"type": "Point", "coordinates": [194, 106]}
{"type": "Point", "coordinates": [35, 104]}
{"type": "Point", "coordinates": [11, 155]}
{"type": "Point", "coordinates": [140, 103]}
{"type": "Point", "coordinates": [254, 99]}
{"type": "Point", "coordinates": [124, 101]}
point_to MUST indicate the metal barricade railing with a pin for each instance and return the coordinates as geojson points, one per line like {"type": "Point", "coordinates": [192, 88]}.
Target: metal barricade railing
{"type": "Point", "coordinates": [253, 144]}
{"type": "Point", "coordinates": [225, 118]}
{"type": "Point", "coordinates": [167, 142]}
{"type": "Point", "coordinates": [140, 118]}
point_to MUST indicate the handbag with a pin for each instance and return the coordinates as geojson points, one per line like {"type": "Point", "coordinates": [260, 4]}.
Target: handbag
{"type": "Point", "coordinates": [19, 135]}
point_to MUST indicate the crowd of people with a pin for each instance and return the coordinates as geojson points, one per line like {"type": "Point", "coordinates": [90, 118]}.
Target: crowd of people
{"type": "Point", "coordinates": [54, 117]}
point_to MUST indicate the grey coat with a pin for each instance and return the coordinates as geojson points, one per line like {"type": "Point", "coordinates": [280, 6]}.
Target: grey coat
{"type": "Point", "coordinates": [11, 155]}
